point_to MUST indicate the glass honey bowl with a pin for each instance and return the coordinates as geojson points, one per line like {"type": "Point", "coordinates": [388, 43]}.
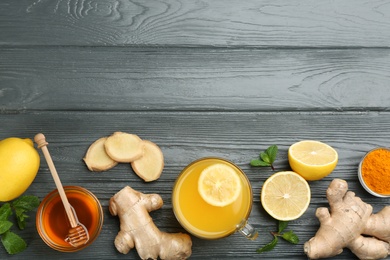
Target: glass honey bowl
{"type": "Point", "coordinates": [52, 222]}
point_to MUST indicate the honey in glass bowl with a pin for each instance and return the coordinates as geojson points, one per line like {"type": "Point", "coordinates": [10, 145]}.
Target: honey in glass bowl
{"type": "Point", "coordinates": [52, 222]}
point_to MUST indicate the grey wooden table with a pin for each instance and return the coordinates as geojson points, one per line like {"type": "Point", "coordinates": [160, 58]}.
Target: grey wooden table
{"type": "Point", "coordinates": [199, 78]}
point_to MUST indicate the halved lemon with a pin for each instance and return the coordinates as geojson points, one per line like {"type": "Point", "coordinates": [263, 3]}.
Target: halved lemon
{"type": "Point", "coordinates": [285, 195]}
{"type": "Point", "coordinates": [313, 160]}
{"type": "Point", "coordinates": [219, 185]}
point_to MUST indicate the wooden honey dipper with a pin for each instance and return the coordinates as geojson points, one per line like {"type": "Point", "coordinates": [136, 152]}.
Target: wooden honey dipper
{"type": "Point", "coordinates": [78, 234]}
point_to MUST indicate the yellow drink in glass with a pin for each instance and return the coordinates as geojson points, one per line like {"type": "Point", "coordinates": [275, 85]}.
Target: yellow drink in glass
{"type": "Point", "coordinates": [202, 219]}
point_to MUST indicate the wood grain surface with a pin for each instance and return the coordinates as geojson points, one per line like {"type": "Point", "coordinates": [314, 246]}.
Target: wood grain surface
{"type": "Point", "coordinates": [186, 136]}
{"type": "Point", "coordinates": [362, 23]}
{"type": "Point", "coordinates": [144, 79]}
{"type": "Point", "coordinates": [199, 78]}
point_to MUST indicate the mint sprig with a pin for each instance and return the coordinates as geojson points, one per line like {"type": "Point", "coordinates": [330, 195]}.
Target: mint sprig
{"type": "Point", "coordinates": [12, 242]}
{"type": "Point", "coordinates": [22, 205]}
{"type": "Point", "coordinates": [266, 158]}
{"type": "Point", "coordinates": [289, 236]}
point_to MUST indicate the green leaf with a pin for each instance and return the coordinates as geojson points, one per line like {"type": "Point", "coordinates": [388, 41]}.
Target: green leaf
{"type": "Point", "coordinates": [282, 226]}
{"type": "Point", "coordinates": [268, 247]}
{"type": "Point", "coordinates": [26, 202]}
{"type": "Point", "coordinates": [5, 211]}
{"type": "Point", "coordinates": [265, 157]}
{"type": "Point", "coordinates": [13, 243]}
{"type": "Point", "coordinates": [272, 151]}
{"type": "Point", "coordinates": [21, 219]}
{"type": "Point", "coordinates": [22, 205]}
{"type": "Point", "coordinates": [257, 162]}
{"type": "Point", "coordinates": [5, 225]}
{"type": "Point", "coordinates": [291, 237]}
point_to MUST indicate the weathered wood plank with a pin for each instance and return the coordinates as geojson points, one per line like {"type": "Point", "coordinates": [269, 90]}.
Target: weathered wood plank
{"type": "Point", "coordinates": [186, 136]}
{"type": "Point", "coordinates": [264, 23]}
{"type": "Point", "coordinates": [118, 78]}
{"type": "Point", "coordinates": [199, 78]}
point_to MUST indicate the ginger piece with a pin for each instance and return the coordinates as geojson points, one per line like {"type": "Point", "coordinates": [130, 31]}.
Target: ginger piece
{"type": "Point", "coordinates": [150, 166]}
{"type": "Point", "coordinates": [145, 157]}
{"type": "Point", "coordinates": [96, 157]}
{"type": "Point", "coordinates": [124, 147]}
{"type": "Point", "coordinates": [349, 224]}
{"type": "Point", "coordinates": [138, 230]}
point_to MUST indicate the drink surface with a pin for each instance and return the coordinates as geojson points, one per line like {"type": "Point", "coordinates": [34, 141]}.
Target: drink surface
{"type": "Point", "coordinates": [200, 218]}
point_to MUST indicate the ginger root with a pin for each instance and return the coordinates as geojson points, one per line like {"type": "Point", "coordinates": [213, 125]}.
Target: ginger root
{"type": "Point", "coordinates": [138, 230]}
{"type": "Point", "coordinates": [349, 224]}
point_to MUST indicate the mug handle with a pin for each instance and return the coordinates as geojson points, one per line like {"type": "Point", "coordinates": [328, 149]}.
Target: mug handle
{"type": "Point", "coordinates": [247, 230]}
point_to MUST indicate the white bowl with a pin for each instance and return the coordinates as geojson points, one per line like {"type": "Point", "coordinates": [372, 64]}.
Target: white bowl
{"type": "Point", "coordinates": [361, 179]}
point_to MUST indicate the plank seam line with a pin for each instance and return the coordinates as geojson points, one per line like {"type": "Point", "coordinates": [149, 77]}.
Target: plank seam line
{"type": "Point", "coordinates": [205, 47]}
{"type": "Point", "coordinates": [201, 111]}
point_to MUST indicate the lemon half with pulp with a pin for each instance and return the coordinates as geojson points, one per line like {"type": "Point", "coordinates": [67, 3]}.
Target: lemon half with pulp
{"type": "Point", "coordinates": [313, 160]}
{"type": "Point", "coordinates": [285, 195]}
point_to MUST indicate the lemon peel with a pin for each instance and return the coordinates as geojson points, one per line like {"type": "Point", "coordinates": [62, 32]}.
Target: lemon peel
{"type": "Point", "coordinates": [313, 160]}
{"type": "Point", "coordinates": [19, 164]}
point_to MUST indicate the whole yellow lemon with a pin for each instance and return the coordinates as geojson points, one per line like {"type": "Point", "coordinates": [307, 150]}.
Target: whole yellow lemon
{"type": "Point", "coordinates": [19, 164]}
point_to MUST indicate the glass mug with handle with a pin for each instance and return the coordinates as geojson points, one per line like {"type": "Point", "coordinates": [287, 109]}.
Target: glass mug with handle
{"type": "Point", "coordinates": [211, 221]}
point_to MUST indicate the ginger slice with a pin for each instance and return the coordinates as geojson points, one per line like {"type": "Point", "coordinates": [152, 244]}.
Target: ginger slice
{"type": "Point", "coordinates": [150, 166]}
{"type": "Point", "coordinates": [96, 157]}
{"type": "Point", "coordinates": [124, 147]}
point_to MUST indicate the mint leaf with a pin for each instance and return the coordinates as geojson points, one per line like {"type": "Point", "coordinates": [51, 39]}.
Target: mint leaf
{"type": "Point", "coordinates": [291, 237]}
{"type": "Point", "coordinates": [272, 151]}
{"type": "Point", "coordinates": [21, 218]}
{"type": "Point", "coordinates": [22, 205]}
{"type": "Point", "coordinates": [5, 225]}
{"type": "Point", "coordinates": [268, 247]}
{"type": "Point", "coordinates": [26, 202]}
{"type": "Point", "coordinates": [13, 243]}
{"type": "Point", "coordinates": [257, 162]}
{"type": "Point", "coordinates": [282, 225]}
{"type": "Point", "coordinates": [266, 158]}
{"type": "Point", "coordinates": [5, 211]}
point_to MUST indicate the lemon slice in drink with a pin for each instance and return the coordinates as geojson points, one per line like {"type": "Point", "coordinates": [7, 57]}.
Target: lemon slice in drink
{"type": "Point", "coordinates": [219, 185]}
{"type": "Point", "coordinates": [285, 195]}
{"type": "Point", "coordinates": [313, 160]}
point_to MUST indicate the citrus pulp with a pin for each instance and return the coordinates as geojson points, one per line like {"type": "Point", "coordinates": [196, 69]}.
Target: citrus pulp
{"type": "Point", "coordinates": [313, 160]}
{"type": "Point", "coordinates": [285, 195]}
{"type": "Point", "coordinates": [219, 185]}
